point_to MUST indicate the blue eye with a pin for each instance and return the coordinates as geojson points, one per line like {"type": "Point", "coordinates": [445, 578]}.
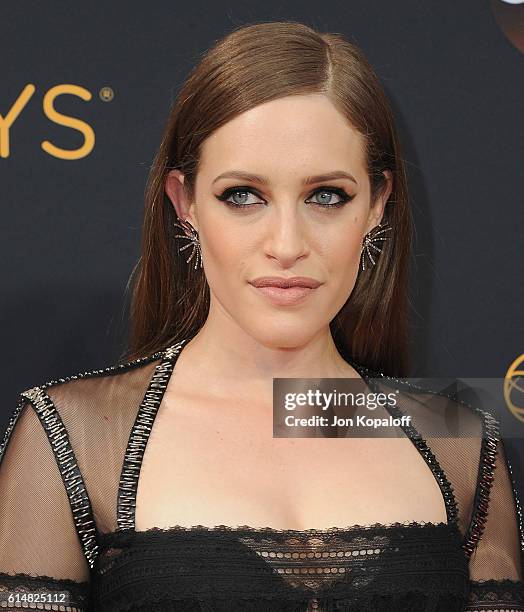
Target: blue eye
{"type": "Point", "coordinates": [234, 191]}
{"type": "Point", "coordinates": [244, 193]}
{"type": "Point", "coordinates": [344, 197]}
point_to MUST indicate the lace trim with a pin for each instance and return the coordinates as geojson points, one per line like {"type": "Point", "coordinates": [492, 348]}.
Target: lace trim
{"type": "Point", "coordinates": [286, 532]}
{"type": "Point", "coordinates": [35, 583]}
{"type": "Point", "coordinates": [111, 540]}
{"type": "Point", "coordinates": [496, 595]}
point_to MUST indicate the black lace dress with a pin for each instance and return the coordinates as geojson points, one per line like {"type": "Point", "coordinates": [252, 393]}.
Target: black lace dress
{"type": "Point", "coordinates": [69, 467]}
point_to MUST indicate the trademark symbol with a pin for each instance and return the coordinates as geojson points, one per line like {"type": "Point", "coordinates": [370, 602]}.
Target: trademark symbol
{"type": "Point", "coordinates": [106, 94]}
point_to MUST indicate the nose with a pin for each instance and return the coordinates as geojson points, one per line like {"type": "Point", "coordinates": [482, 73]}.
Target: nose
{"type": "Point", "coordinates": [286, 239]}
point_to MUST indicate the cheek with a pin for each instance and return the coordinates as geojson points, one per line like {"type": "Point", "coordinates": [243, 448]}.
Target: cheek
{"type": "Point", "coordinates": [342, 249]}
{"type": "Point", "coordinates": [217, 246]}
{"type": "Point", "coordinates": [224, 250]}
{"type": "Point", "coordinates": [216, 236]}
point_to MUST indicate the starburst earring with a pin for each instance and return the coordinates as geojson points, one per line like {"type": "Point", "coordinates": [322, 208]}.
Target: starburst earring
{"type": "Point", "coordinates": [373, 236]}
{"type": "Point", "coordinates": [193, 241]}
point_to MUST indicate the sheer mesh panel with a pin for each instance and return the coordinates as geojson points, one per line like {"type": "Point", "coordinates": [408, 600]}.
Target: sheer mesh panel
{"type": "Point", "coordinates": [497, 555]}
{"type": "Point", "coordinates": [39, 545]}
{"type": "Point", "coordinates": [459, 457]}
{"type": "Point", "coordinates": [98, 413]}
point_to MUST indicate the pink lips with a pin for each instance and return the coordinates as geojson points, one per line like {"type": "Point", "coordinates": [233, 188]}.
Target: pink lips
{"type": "Point", "coordinates": [285, 291]}
{"type": "Point", "coordinates": [279, 281]}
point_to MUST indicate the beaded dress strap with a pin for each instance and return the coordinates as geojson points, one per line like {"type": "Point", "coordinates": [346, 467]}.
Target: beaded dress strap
{"type": "Point", "coordinates": [68, 466]}
{"type": "Point", "coordinates": [128, 484]}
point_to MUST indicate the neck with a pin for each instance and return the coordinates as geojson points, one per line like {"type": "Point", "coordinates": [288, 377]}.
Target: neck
{"type": "Point", "coordinates": [222, 350]}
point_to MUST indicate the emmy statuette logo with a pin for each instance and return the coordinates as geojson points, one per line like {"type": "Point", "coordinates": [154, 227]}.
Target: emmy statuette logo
{"type": "Point", "coordinates": [514, 388]}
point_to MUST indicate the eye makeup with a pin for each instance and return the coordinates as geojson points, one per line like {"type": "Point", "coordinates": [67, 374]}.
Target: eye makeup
{"type": "Point", "coordinates": [343, 196]}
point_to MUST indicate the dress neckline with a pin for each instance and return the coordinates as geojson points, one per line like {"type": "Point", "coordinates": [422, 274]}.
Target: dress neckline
{"type": "Point", "coordinates": [142, 427]}
{"type": "Point", "coordinates": [404, 531]}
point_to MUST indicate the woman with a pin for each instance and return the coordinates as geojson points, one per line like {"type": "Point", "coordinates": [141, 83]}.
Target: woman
{"type": "Point", "coordinates": [276, 245]}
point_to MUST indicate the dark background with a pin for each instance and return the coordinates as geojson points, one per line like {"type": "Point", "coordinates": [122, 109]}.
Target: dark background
{"type": "Point", "coordinates": [71, 228]}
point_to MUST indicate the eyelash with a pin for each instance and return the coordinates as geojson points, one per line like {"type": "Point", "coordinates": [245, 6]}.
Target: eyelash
{"type": "Point", "coordinates": [345, 197]}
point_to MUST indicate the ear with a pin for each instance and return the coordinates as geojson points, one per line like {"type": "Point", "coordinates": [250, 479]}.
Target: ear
{"type": "Point", "coordinates": [376, 212]}
{"type": "Point", "coordinates": [174, 187]}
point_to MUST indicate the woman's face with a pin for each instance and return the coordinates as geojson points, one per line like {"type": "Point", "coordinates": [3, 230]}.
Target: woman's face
{"type": "Point", "coordinates": [262, 210]}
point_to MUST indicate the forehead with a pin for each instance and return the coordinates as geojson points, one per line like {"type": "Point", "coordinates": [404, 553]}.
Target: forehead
{"type": "Point", "coordinates": [291, 135]}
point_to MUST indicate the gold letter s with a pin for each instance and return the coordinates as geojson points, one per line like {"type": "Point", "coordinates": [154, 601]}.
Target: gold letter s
{"type": "Point", "coordinates": [81, 126]}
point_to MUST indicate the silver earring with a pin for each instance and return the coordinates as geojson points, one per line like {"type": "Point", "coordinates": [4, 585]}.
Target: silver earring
{"type": "Point", "coordinates": [373, 236]}
{"type": "Point", "coordinates": [193, 241]}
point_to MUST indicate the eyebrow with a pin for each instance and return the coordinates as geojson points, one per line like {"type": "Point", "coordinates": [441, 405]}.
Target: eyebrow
{"type": "Point", "coordinates": [257, 178]}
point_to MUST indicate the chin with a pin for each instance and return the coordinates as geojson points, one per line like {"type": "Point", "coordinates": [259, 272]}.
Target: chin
{"type": "Point", "coordinates": [284, 334]}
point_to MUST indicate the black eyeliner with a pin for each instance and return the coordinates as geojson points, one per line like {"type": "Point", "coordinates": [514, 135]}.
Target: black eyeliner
{"type": "Point", "coordinates": [345, 197]}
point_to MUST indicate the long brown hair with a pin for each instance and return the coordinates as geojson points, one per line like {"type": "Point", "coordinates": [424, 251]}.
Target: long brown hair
{"type": "Point", "coordinates": [251, 65]}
